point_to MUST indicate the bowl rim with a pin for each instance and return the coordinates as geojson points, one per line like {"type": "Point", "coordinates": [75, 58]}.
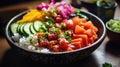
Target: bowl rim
{"type": "Point", "coordinates": [108, 28]}
{"type": "Point", "coordinates": [28, 50]}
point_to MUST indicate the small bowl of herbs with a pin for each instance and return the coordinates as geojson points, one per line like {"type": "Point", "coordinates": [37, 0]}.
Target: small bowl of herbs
{"type": "Point", "coordinates": [113, 30]}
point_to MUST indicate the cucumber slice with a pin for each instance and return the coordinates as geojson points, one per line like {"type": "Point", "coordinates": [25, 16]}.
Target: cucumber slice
{"type": "Point", "coordinates": [32, 30]}
{"type": "Point", "coordinates": [21, 29]}
{"type": "Point", "coordinates": [26, 29]}
{"type": "Point", "coordinates": [13, 28]}
{"type": "Point", "coordinates": [37, 25]}
{"type": "Point", "coordinates": [18, 28]}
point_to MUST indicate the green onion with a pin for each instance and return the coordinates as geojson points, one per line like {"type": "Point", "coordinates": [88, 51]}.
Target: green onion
{"type": "Point", "coordinates": [54, 30]}
{"type": "Point", "coordinates": [60, 36]}
{"type": "Point", "coordinates": [68, 38]}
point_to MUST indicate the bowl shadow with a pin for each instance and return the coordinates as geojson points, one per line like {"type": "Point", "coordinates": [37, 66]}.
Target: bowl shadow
{"type": "Point", "coordinates": [113, 48]}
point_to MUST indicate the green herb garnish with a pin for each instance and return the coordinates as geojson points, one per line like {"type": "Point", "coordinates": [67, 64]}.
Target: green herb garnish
{"type": "Point", "coordinates": [107, 64]}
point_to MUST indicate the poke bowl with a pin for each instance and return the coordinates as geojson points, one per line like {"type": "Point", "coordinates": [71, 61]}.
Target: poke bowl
{"type": "Point", "coordinates": [55, 33]}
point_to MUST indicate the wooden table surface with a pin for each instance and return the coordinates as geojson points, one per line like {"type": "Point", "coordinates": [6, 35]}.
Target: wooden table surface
{"type": "Point", "coordinates": [105, 53]}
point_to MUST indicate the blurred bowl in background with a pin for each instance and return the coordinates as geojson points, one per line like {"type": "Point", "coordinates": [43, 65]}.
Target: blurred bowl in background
{"type": "Point", "coordinates": [90, 4]}
{"type": "Point", "coordinates": [106, 9]}
{"type": "Point", "coordinates": [113, 30]}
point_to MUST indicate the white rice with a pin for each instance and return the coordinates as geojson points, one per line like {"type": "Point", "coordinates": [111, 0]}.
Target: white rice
{"type": "Point", "coordinates": [16, 37]}
{"type": "Point", "coordinates": [31, 47]}
{"type": "Point", "coordinates": [26, 43]}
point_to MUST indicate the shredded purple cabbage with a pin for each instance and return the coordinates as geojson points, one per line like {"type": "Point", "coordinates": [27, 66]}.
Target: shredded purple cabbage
{"type": "Point", "coordinates": [63, 9]}
{"type": "Point", "coordinates": [42, 5]}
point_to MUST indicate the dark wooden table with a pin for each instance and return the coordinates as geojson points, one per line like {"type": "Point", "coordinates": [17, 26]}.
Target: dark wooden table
{"type": "Point", "coordinates": [107, 52]}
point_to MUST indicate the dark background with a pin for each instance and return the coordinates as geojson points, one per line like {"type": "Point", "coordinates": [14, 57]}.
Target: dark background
{"type": "Point", "coordinates": [4, 3]}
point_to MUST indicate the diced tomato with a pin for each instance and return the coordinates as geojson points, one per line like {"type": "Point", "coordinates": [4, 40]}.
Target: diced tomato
{"type": "Point", "coordinates": [84, 38]}
{"type": "Point", "coordinates": [69, 24]}
{"type": "Point", "coordinates": [88, 32]}
{"type": "Point", "coordinates": [51, 43]}
{"type": "Point", "coordinates": [43, 43]}
{"type": "Point", "coordinates": [63, 44]}
{"type": "Point", "coordinates": [76, 20]}
{"type": "Point", "coordinates": [52, 36]}
{"type": "Point", "coordinates": [77, 45]}
{"type": "Point", "coordinates": [76, 40]}
{"type": "Point", "coordinates": [94, 28]}
{"type": "Point", "coordinates": [82, 20]}
{"type": "Point", "coordinates": [79, 29]}
{"type": "Point", "coordinates": [87, 25]}
{"type": "Point", "coordinates": [69, 49]}
{"type": "Point", "coordinates": [95, 36]}
{"type": "Point", "coordinates": [90, 25]}
{"type": "Point", "coordinates": [91, 33]}
{"type": "Point", "coordinates": [91, 40]}
{"type": "Point", "coordinates": [55, 48]}
{"type": "Point", "coordinates": [72, 46]}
